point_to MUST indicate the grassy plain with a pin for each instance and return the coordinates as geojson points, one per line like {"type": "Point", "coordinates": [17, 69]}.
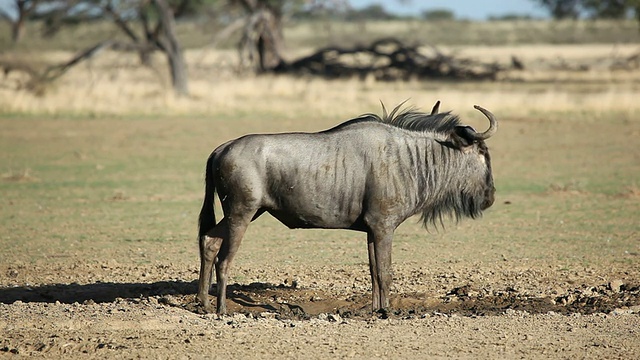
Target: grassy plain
{"type": "Point", "coordinates": [318, 33]}
{"type": "Point", "coordinates": [102, 177]}
{"type": "Point", "coordinates": [115, 163]}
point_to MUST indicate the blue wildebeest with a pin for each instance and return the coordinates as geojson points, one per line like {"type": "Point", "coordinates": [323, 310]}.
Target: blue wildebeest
{"type": "Point", "coordinates": [368, 174]}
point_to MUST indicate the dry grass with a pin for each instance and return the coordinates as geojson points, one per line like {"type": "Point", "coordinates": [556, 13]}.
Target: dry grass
{"type": "Point", "coordinates": [631, 191]}
{"type": "Point", "coordinates": [129, 188]}
{"type": "Point", "coordinates": [115, 84]}
{"type": "Point", "coordinates": [196, 34]}
{"type": "Point", "coordinates": [23, 175]}
{"type": "Point", "coordinates": [119, 160]}
{"type": "Point", "coordinates": [493, 33]}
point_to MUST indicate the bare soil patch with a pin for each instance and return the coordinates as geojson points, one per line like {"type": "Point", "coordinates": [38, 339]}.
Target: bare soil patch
{"type": "Point", "coordinates": [291, 302]}
{"type": "Point", "coordinates": [284, 302]}
{"type": "Point", "coordinates": [314, 314]}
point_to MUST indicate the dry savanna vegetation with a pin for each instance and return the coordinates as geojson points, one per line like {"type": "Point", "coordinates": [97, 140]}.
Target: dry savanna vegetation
{"type": "Point", "coordinates": [102, 178]}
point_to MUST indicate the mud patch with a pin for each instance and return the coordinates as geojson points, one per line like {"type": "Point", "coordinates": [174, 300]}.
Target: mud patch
{"type": "Point", "coordinates": [290, 302]}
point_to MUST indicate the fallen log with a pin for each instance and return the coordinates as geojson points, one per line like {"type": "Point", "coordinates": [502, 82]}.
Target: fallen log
{"type": "Point", "coordinates": [388, 60]}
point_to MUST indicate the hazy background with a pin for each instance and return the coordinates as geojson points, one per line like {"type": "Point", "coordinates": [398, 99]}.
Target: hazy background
{"type": "Point", "coordinates": [463, 9]}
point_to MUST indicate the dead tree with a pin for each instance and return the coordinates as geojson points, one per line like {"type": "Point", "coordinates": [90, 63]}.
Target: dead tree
{"type": "Point", "coordinates": [261, 41]}
{"type": "Point", "coordinates": [159, 36]}
{"type": "Point", "coordinates": [155, 17]}
{"type": "Point", "coordinates": [38, 78]}
{"type": "Point", "coordinates": [388, 59]}
{"type": "Point", "coordinates": [169, 44]}
{"type": "Point", "coordinates": [23, 9]}
{"type": "Point", "coordinates": [261, 44]}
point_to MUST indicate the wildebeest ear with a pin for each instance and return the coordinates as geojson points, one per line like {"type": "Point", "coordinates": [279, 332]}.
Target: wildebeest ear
{"type": "Point", "coordinates": [462, 137]}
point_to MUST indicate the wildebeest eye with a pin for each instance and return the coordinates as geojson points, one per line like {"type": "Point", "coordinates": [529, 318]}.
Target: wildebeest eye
{"type": "Point", "coordinates": [463, 137]}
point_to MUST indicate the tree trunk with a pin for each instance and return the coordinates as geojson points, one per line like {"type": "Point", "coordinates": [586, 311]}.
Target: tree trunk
{"type": "Point", "coordinates": [179, 78]}
{"type": "Point", "coordinates": [17, 30]}
{"type": "Point", "coordinates": [269, 45]}
{"type": "Point", "coordinates": [262, 40]}
{"type": "Point", "coordinates": [171, 47]}
{"type": "Point", "coordinates": [24, 8]}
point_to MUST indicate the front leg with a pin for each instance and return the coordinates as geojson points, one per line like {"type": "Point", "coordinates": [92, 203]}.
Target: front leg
{"type": "Point", "coordinates": [382, 248]}
{"type": "Point", "coordinates": [379, 246]}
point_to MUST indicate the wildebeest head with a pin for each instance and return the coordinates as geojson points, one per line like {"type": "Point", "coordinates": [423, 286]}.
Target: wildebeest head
{"type": "Point", "coordinates": [472, 144]}
{"type": "Point", "coordinates": [461, 180]}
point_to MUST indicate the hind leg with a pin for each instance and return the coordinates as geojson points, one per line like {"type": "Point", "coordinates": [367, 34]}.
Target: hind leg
{"type": "Point", "coordinates": [373, 270]}
{"type": "Point", "coordinates": [210, 244]}
{"type": "Point", "coordinates": [237, 227]}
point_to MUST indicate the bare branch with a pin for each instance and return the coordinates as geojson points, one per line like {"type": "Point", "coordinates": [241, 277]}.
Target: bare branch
{"type": "Point", "coordinates": [388, 59]}
{"type": "Point", "coordinates": [54, 72]}
{"type": "Point", "coordinates": [225, 33]}
{"type": "Point", "coordinates": [39, 79]}
{"type": "Point", "coordinates": [108, 8]}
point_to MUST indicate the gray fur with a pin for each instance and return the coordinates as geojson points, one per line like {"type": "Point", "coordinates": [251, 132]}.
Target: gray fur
{"type": "Point", "coordinates": [368, 174]}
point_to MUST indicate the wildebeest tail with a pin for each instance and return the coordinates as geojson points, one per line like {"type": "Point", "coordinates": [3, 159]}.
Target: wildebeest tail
{"type": "Point", "coordinates": [207, 218]}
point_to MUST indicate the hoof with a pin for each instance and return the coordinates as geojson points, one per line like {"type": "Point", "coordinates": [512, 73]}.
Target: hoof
{"type": "Point", "coordinates": [208, 308]}
{"type": "Point", "coordinates": [205, 303]}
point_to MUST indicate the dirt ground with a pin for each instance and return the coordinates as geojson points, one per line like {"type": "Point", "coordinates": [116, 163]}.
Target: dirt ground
{"type": "Point", "coordinates": [108, 268]}
{"type": "Point", "coordinates": [503, 310]}
{"type": "Point", "coordinates": [98, 256]}
{"type": "Point", "coordinates": [112, 274]}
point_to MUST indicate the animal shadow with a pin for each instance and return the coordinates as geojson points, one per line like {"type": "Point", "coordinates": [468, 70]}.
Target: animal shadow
{"type": "Point", "coordinates": [100, 292]}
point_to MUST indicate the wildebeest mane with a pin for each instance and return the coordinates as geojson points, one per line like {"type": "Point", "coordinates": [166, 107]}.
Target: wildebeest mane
{"type": "Point", "coordinates": [414, 120]}
{"type": "Point", "coordinates": [452, 205]}
{"type": "Point", "coordinates": [440, 203]}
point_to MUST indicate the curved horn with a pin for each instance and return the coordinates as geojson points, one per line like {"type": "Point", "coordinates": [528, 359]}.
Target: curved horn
{"type": "Point", "coordinates": [493, 124]}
